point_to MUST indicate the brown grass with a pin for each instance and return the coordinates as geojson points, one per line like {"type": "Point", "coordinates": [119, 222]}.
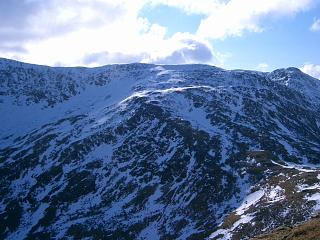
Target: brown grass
{"type": "Point", "coordinates": [259, 154]}
{"type": "Point", "coordinates": [230, 220]}
{"type": "Point", "coordinates": [309, 230]}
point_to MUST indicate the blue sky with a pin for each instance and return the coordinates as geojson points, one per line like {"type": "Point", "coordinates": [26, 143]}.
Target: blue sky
{"type": "Point", "coordinates": [284, 42]}
{"type": "Point", "coordinates": [247, 34]}
{"type": "Point", "coordinates": [173, 18]}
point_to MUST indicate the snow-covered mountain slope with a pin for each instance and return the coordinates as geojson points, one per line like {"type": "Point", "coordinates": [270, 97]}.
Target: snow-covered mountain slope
{"type": "Point", "coordinates": [142, 151]}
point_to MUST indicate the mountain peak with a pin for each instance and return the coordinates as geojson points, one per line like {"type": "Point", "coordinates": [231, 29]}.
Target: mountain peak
{"type": "Point", "coordinates": [155, 151]}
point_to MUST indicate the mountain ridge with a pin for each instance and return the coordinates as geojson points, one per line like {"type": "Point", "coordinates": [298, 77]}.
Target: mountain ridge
{"type": "Point", "coordinates": [156, 151]}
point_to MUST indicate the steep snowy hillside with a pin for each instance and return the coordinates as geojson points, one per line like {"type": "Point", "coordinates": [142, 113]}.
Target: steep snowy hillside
{"type": "Point", "coordinates": [142, 151]}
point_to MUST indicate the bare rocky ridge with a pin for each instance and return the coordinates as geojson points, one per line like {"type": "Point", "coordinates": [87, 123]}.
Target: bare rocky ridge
{"type": "Point", "coordinates": [141, 151]}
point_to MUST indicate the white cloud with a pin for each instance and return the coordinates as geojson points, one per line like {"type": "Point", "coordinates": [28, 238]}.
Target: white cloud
{"type": "Point", "coordinates": [103, 58]}
{"type": "Point", "coordinates": [26, 24]}
{"type": "Point", "coordinates": [182, 48]}
{"type": "Point", "coordinates": [65, 31]}
{"type": "Point", "coordinates": [204, 7]}
{"type": "Point", "coordinates": [94, 33]}
{"type": "Point", "coordinates": [315, 27]}
{"type": "Point", "coordinates": [188, 49]}
{"type": "Point", "coordinates": [231, 18]}
{"type": "Point", "coordinates": [263, 66]}
{"type": "Point", "coordinates": [91, 32]}
{"type": "Point", "coordinates": [311, 69]}
{"type": "Point", "coordinates": [236, 16]}
{"type": "Point", "coordinates": [23, 20]}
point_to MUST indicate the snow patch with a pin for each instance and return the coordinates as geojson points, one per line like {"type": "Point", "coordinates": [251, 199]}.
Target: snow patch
{"type": "Point", "coordinates": [226, 234]}
{"type": "Point", "coordinates": [276, 194]}
{"type": "Point", "coordinates": [249, 201]}
{"type": "Point", "coordinates": [305, 187]}
{"type": "Point", "coordinates": [315, 197]}
{"type": "Point", "coordinates": [301, 168]}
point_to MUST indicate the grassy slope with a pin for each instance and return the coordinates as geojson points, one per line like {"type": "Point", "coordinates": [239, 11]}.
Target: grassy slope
{"type": "Point", "coordinates": [309, 230]}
